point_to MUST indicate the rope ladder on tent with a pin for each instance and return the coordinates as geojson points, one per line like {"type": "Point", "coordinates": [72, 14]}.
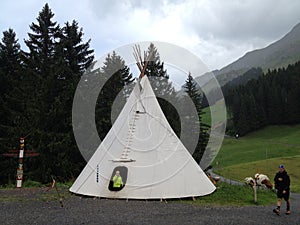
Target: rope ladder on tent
{"type": "Point", "coordinates": [142, 65]}
{"type": "Point", "coordinates": [130, 135]}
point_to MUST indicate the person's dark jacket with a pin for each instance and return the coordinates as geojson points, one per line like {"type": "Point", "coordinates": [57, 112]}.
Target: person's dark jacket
{"type": "Point", "coordinates": [283, 184]}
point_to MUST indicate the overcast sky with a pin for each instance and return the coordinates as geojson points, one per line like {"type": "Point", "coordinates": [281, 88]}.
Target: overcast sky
{"type": "Point", "coordinates": [217, 31]}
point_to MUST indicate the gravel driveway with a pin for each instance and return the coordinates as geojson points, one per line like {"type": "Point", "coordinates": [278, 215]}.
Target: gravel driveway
{"type": "Point", "coordinates": [79, 210]}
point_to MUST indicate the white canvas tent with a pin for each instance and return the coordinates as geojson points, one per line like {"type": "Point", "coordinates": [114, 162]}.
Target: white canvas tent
{"type": "Point", "coordinates": [141, 144]}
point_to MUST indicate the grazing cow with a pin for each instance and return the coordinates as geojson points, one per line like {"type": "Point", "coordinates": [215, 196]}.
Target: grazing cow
{"type": "Point", "coordinates": [259, 180]}
{"type": "Point", "coordinates": [250, 181]}
{"type": "Point", "coordinates": [262, 179]}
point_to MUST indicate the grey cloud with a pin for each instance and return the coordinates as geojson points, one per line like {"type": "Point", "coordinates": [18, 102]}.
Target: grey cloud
{"type": "Point", "coordinates": [237, 20]}
{"type": "Point", "coordinates": [225, 30]}
{"type": "Point", "coordinates": [117, 9]}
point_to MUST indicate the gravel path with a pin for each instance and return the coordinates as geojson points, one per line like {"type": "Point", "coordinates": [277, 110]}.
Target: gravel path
{"type": "Point", "coordinates": [79, 210]}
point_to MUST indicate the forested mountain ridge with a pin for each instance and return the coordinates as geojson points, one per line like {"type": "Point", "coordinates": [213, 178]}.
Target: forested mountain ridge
{"type": "Point", "coordinates": [271, 99]}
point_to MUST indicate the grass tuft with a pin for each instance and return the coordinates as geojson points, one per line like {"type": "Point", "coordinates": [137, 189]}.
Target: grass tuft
{"type": "Point", "coordinates": [236, 195]}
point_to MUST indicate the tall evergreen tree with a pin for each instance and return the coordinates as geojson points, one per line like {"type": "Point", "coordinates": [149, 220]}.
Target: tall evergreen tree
{"type": "Point", "coordinates": [117, 78]}
{"type": "Point", "coordinates": [42, 74]}
{"type": "Point", "coordinates": [12, 115]}
{"type": "Point", "coordinates": [56, 60]}
{"type": "Point", "coordinates": [193, 91]}
{"type": "Point", "coordinates": [155, 69]}
{"type": "Point", "coordinates": [72, 59]}
{"type": "Point", "coordinates": [11, 80]}
{"type": "Point", "coordinates": [41, 65]}
{"type": "Point", "coordinates": [37, 94]}
{"type": "Point", "coordinates": [162, 87]}
{"type": "Point", "coordinates": [77, 55]}
{"type": "Point", "coordinates": [42, 42]}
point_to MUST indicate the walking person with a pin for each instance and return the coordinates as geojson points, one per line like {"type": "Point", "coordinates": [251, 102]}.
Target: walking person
{"type": "Point", "coordinates": [282, 185]}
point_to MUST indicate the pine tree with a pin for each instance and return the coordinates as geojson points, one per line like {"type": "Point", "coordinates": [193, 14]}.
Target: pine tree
{"type": "Point", "coordinates": [41, 76]}
{"type": "Point", "coordinates": [41, 65]}
{"type": "Point", "coordinates": [12, 88]}
{"type": "Point", "coordinates": [42, 42]}
{"type": "Point", "coordinates": [10, 66]}
{"type": "Point", "coordinates": [158, 74]}
{"type": "Point", "coordinates": [162, 87]}
{"type": "Point", "coordinates": [269, 100]}
{"type": "Point", "coordinates": [13, 120]}
{"type": "Point", "coordinates": [117, 78]}
{"type": "Point", "coordinates": [72, 59]}
{"type": "Point", "coordinates": [193, 91]}
{"type": "Point", "coordinates": [56, 60]}
{"type": "Point", "coordinates": [37, 89]}
{"type": "Point", "coordinates": [77, 55]}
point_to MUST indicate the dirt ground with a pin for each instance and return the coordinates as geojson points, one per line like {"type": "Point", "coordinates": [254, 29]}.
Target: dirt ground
{"type": "Point", "coordinates": [38, 206]}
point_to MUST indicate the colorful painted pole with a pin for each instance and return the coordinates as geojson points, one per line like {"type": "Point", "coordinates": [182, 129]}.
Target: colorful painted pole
{"type": "Point", "coordinates": [20, 167]}
{"type": "Point", "coordinates": [21, 154]}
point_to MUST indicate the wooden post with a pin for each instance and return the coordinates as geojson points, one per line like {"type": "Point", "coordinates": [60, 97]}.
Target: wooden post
{"type": "Point", "coordinates": [255, 194]}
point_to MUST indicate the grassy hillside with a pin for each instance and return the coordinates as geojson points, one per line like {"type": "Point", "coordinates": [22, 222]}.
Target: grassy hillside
{"type": "Point", "coordinates": [217, 109]}
{"type": "Point", "coordinates": [261, 151]}
{"type": "Point", "coordinates": [206, 117]}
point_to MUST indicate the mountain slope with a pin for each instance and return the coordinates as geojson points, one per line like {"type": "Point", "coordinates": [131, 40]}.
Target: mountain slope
{"type": "Point", "coordinates": [278, 54]}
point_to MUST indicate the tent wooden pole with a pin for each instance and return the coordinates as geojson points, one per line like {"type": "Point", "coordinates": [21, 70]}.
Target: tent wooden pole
{"type": "Point", "coordinates": [140, 62]}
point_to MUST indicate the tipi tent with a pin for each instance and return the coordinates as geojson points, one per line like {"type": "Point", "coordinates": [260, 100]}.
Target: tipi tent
{"type": "Point", "coordinates": [142, 147]}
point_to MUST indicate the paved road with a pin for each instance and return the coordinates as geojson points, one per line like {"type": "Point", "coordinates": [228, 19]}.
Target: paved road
{"type": "Point", "coordinates": [104, 211]}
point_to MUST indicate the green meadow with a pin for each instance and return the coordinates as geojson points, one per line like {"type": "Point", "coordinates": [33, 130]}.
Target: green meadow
{"type": "Point", "coordinates": [218, 110]}
{"type": "Point", "coordinates": [261, 152]}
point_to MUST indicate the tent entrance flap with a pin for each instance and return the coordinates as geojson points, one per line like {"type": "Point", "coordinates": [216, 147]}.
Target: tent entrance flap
{"type": "Point", "coordinates": [118, 178]}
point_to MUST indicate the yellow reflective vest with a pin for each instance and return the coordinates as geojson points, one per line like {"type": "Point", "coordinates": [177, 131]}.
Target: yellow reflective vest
{"type": "Point", "coordinates": [117, 181]}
